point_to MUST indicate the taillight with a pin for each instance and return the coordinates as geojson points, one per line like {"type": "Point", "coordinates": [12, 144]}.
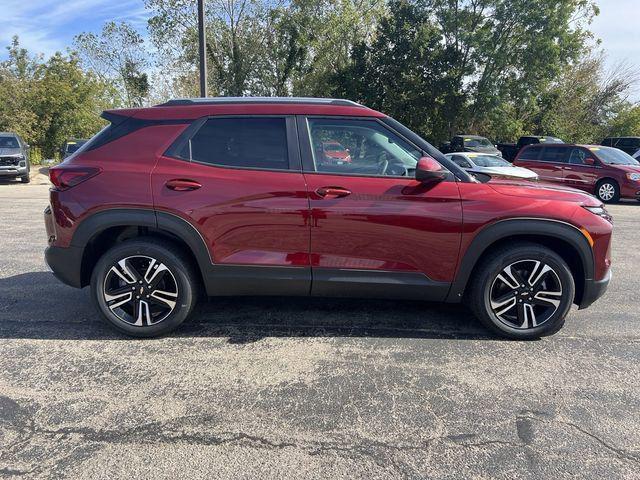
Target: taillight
{"type": "Point", "coordinates": [64, 177]}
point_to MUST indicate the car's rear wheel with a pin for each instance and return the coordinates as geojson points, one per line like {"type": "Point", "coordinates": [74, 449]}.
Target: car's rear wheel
{"type": "Point", "coordinates": [608, 191]}
{"type": "Point", "coordinates": [144, 287]}
{"type": "Point", "coordinates": [523, 291]}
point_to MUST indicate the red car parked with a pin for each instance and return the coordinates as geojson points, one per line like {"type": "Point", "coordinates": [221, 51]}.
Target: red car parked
{"type": "Point", "coordinates": [334, 152]}
{"type": "Point", "coordinates": [606, 172]}
{"type": "Point", "coordinates": [228, 194]}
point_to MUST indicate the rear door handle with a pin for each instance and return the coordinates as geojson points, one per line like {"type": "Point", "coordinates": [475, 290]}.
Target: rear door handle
{"type": "Point", "coordinates": [333, 192]}
{"type": "Point", "coordinates": [182, 185]}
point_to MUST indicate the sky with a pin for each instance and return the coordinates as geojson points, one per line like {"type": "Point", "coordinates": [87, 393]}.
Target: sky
{"type": "Point", "coordinates": [46, 26]}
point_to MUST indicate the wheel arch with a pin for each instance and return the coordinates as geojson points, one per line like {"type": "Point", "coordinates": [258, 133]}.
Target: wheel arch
{"type": "Point", "coordinates": [563, 238]}
{"type": "Point", "coordinates": [99, 232]}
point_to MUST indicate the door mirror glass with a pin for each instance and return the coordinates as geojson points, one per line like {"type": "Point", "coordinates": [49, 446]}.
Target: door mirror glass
{"type": "Point", "coordinates": [428, 170]}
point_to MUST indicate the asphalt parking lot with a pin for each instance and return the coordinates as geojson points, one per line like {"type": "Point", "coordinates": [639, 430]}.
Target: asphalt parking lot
{"type": "Point", "coordinates": [300, 388]}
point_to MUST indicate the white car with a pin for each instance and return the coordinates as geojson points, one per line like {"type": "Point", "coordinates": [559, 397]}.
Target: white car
{"type": "Point", "coordinates": [492, 165]}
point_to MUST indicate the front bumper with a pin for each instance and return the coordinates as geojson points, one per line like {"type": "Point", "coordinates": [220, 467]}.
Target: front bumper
{"type": "Point", "coordinates": [66, 264]}
{"type": "Point", "coordinates": [594, 289]}
{"type": "Point", "coordinates": [13, 171]}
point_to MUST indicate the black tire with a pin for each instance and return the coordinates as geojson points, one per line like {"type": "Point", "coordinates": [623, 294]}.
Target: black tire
{"type": "Point", "coordinates": [181, 275]}
{"type": "Point", "coordinates": [485, 283]}
{"type": "Point", "coordinates": [603, 189]}
{"type": "Point", "coordinates": [25, 179]}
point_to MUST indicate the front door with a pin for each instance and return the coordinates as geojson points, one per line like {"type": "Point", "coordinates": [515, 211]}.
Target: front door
{"type": "Point", "coordinates": [376, 230]}
{"type": "Point", "coordinates": [577, 173]}
{"type": "Point", "coordinates": [238, 181]}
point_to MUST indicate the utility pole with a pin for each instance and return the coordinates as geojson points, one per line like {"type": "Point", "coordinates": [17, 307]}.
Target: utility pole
{"type": "Point", "coordinates": [202, 39]}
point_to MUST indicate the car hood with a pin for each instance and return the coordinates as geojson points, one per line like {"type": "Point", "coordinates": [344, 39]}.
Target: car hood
{"type": "Point", "coordinates": [544, 191]}
{"type": "Point", "coordinates": [491, 150]}
{"type": "Point", "coordinates": [627, 168]}
{"type": "Point", "coordinates": [10, 151]}
{"type": "Point", "coordinates": [518, 172]}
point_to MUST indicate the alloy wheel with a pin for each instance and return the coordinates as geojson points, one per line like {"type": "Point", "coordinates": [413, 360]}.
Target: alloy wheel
{"type": "Point", "coordinates": [526, 294]}
{"type": "Point", "coordinates": [140, 290]}
{"type": "Point", "coordinates": [606, 192]}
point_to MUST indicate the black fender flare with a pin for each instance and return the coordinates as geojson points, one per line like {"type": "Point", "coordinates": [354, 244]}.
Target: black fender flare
{"type": "Point", "coordinates": [535, 227]}
{"type": "Point", "coordinates": [159, 220]}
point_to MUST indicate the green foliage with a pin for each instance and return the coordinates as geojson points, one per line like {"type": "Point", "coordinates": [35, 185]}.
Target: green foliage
{"type": "Point", "coordinates": [118, 56]}
{"type": "Point", "coordinates": [47, 102]}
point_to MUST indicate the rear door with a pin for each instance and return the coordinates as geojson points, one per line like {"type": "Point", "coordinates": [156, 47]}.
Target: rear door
{"type": "Point", "coordinates": [549, 164]}
{"type": "Point", "coordinates": [376, 231]}
{"type": "Point", "coordinates": [238, 181]}
{"type": "Point", "coordinates": [577, 173]}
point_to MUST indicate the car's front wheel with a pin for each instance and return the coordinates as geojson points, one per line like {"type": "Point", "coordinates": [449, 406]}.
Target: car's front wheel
{"type": "Point", "coordinates": [523, 291]}
{"type": "Point", "coordinates": [608, 191]}
{"type": "Point", "coordinates": [144, 287]}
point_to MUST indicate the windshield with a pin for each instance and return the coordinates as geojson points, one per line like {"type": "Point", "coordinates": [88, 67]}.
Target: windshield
{"type": "Point", "coordinates": [489, 161]}
{"type": "Point", "coordinates": [477, 142]}
{"type": "Point", "coordinates": [613, 156]}
{"type": "Point", "coordinates": [333, 147]}
{"type": "Point", "coordinates": [550, 140]}
{"type": "Point", "coordinates": [72, 147]}
{"type": "Point", "coordinates": [9, 142]}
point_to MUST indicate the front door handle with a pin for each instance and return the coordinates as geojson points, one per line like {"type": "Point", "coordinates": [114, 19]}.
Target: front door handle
{"type": "Point", "coordinates": [333, 192]}
{"type": "Point", "coordinates": [182, 185]}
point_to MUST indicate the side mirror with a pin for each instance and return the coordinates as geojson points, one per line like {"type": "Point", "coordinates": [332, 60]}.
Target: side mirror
{"type": "Point", "coordinates": [429, 171]}
{"type": "Point", "coordinates": [589, 161]}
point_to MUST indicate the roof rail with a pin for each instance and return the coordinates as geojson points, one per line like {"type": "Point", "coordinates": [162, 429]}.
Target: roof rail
{"type": "Point", "coordinates": [286, 100]}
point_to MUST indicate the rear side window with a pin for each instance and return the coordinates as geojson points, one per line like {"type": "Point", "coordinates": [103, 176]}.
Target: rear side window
{"type": "Point", "coordinates": [607, 142]}
{"type": "Point", "coordinates": [628, 143]}
{"type": "Point", "coordinates": [240, 142]}
{"type": "Point", "coordinates": [531, 153]}
{"type": "Point", "coordinates": [554, 154]}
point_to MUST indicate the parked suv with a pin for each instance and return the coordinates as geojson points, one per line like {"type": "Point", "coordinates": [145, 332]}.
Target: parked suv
{"type": "Point", "coordinates": [14, 157]}
{"type": "Point", "coordinates": [606, 172]}
{"type": "Point", "coordinates": [227, 196]}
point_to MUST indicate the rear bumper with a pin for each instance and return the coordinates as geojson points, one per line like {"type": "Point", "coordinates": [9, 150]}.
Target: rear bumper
{"type": "Point", "coordinates": [66, 264]}
{"type": "Point", "coordinates": [594, 289]}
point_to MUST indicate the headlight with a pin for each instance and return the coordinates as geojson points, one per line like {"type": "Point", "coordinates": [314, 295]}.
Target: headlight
{"type": "Point", "coordinates": [634, 176]}
{"type": "Point", "coordinates": [601, 212]}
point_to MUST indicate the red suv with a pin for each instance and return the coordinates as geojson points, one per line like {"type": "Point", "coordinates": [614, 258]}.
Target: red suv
{"type": "Point", "coordinates": [606, 172]}
{"type": "Point", "coordinates": [228, 196]}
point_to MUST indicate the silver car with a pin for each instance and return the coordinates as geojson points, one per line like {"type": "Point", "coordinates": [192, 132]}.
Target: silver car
{"type": "Point", "coordinates": [14, 157]}
{"type": "Point", "coordinates": [492, 165]}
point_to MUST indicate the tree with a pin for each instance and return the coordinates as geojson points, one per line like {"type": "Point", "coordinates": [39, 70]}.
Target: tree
{"type": "Point", "coordinates": [47, 102]}
{"type": "Point", "coordinates": [118, 55]}
{"type": "Point", "coordinates": [403, 72]}
{"type": "Point", "coordinates": [261, 47]}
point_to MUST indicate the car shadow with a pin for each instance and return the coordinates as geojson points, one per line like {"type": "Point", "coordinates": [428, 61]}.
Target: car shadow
{"type": "Point", "coordinates": [37, 306]}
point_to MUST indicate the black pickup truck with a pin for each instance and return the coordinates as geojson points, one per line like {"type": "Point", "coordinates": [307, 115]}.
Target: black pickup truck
{"type": "Point", "coordinates": [510, 150]}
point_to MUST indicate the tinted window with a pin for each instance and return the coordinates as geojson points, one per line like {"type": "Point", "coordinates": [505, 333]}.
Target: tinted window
{"type": "Point", "coordinates": [554, 154]}
{"type": "Point", "coordinates": [531, 153]}
{"type": "Point", "coordinates": [607, 142]}
{"type": "Point", "coordinates": [240, 142]}
{"type": "Point", "coordinates": [577, 156]}
{"type": "Point", "coordinates": [461, 161]}
{"type": "Point", "coordinates": [628, 142]}
{"type": "Point", "coordinates": [366, 148]}
{"type": "Point", "coordinates": [9, 142]}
